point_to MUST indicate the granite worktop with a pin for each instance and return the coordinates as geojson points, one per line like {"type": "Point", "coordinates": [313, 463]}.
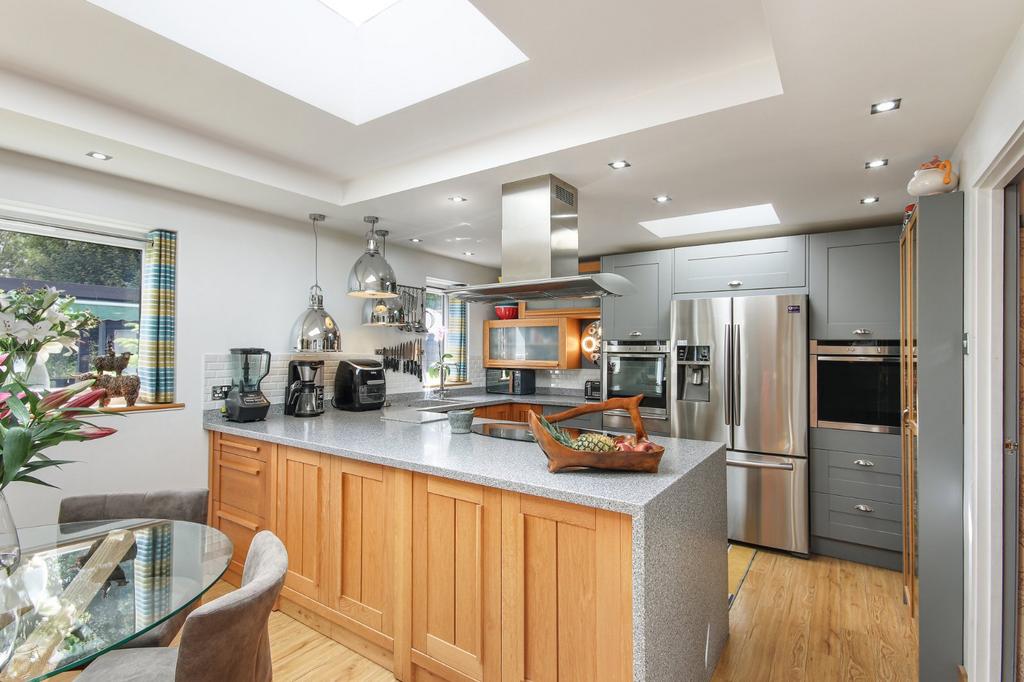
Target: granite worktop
{"type": "Point", "coordinates": [509, 465]}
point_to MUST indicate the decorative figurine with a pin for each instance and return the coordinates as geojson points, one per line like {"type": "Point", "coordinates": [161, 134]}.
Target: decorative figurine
{"type": "Point", "coordinates": [933, 177]}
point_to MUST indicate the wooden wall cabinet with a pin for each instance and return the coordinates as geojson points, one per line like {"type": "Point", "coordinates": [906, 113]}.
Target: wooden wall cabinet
{"type": "Point", "coordinates": [541, 342]}
{"type": "Point", "coordinates": [566, 592]}
{"type": "Point", "coordinates": [456, 591]}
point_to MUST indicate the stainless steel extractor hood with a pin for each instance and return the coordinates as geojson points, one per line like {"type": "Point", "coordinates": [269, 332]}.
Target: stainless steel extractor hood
{"type": "Point", "coordinates": [540, 248]}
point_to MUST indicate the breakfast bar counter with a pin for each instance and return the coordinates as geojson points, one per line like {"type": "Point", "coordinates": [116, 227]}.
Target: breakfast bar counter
{"type": "Point", "coordinates": [460, 557]}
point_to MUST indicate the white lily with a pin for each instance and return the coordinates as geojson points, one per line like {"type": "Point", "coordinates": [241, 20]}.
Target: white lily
{"type": "Point", "coordinates": [25, 332]}
{"type": "Point", "coordinates": [70, 342]}
{"type": "Point", "coordinates": [52, 294]}
{"type": "Point", "coordinates": [8, 322]}
{"type": "Point", "coordinates": [56, 315]}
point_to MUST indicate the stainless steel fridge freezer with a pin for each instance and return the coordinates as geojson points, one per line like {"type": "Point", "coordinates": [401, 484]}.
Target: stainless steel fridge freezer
{"type": "Point", "coordinates": [739, 376]}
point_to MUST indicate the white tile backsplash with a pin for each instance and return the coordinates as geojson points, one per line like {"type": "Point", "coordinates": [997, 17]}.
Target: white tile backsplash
{"type": "Point", "coordinates": [217, 372]}
{"type": "Point", "coordinates": [566, 378]}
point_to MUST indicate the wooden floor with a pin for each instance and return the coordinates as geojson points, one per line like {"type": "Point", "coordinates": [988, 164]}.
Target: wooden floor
{"type": "Point", "coordinates": [794, 619]}
{"type": "Point", "coordinates": [818, 619]}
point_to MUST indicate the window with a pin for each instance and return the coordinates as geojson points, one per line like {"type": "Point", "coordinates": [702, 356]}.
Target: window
{"type": "Point", "coordinates": [446, 322]}
{"type": "Point", "coordinates": [105, 274]}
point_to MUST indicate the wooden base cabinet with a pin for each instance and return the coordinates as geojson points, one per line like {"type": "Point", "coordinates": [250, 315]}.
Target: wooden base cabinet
{"type": "Point", "coordinates": [456, 591]}
{"type": "Point", "coordinates": [432, 578]}
{"type": "Point", "coordinates": [566, 592]}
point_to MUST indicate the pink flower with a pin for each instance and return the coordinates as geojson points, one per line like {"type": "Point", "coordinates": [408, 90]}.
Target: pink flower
{"type": "Point", "coordinates": [90, 432]}
{"type": "Point", "coordinates": [88, 398]}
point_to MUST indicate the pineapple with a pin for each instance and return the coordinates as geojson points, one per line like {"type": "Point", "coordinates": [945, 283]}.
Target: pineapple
{"type": "Point", "coordinates": [594, 442]}
{"type": "Point", "coordinates": [556, 433]}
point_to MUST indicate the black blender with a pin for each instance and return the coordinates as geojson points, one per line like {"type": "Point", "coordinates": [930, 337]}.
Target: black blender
{"type": "Point", "coordinates": [245, 402]}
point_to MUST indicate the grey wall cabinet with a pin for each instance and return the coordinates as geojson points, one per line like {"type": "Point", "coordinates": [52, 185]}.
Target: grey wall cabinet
{"type": "Point", "coordinates": [855, 284]}
{"type": "Point", "coordinates": [775, 263]}
{"type": "Point", "coordinates": [645, 314]}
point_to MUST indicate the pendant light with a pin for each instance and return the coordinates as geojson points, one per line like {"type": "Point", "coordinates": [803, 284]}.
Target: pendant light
{"type": "Point", "coordinates": [371, 276]}
{"type": "Point", "coordinates": [315, 330]}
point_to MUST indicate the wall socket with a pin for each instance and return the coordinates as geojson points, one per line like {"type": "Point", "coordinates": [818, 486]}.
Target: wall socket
{"type": "Point", "coordinates": [219, 392]}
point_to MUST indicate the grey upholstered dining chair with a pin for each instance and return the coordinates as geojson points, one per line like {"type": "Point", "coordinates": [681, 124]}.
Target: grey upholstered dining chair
{"type": "Point", "coordinates": [225, 640]}
{"type": "Point", "coordinates": [176, 505]}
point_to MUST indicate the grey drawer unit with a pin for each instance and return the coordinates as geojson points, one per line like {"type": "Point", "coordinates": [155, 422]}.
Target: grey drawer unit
{"type": "Point", "coordinates": [856, 496]}
{"type": "Point", "coordinates": [854, 284]}
{"type": "Point", "coordinates": [776, 263]}
{"type": "Point", "coordinates": [645, 314]}
{"type": "Point", "coordinates": [872, 477]}
{"type": "Point", "coordinates": [586, 421]}
{"type": "Point", "coordinates": [856, 520]}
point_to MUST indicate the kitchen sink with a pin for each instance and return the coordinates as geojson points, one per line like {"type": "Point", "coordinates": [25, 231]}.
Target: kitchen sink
{"type": "Point", "coordinates": [427, 402]}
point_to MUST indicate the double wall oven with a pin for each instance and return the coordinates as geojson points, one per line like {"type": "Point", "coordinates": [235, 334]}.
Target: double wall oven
{"type": "Point", "coordinates": [636, 366]}
{"type": "Point", "coordinates": [855, 385]}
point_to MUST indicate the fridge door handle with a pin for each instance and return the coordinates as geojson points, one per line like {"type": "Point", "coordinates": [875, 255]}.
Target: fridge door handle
{"type": "Point", "coordinates": [727, 392]}
{"type": "Point", "coordinates": [745, 464]}
{"type": "Point", "coordinates": [736, 375]}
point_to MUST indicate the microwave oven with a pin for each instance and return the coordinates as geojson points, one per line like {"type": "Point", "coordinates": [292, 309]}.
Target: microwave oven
{"type": "Point", "coordinates": [511, 381]}
{"type": "Point", "coordinates": [855, 386]}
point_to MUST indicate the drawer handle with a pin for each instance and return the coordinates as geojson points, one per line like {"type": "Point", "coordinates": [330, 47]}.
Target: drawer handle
{"type": "Point", "coordinates": [240, 446]}
{"type": "Point", "coordinates": [736, 283]}
{"type": "Point", "coordinates": [634, 333]}
{"type": "Point", "coordinates": [864, 462]}
{"type": "Point", "coordinates": [863, 508]}
{"type": "Point", "coordinates": [252, 471]}
{"type": "Point", "coordinates": [861, 332]}
{"type": "Point", "coordinates": [237, 521]}
{"type": "Point", "coordinates": [746, 464]}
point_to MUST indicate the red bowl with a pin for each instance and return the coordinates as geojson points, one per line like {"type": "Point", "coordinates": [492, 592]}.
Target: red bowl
{"type": "Point", "coordinates": [507, 312]}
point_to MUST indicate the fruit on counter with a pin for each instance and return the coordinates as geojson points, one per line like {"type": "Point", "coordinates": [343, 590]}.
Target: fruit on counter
{"type": "Point", "coordinates": [631, 444]}
{"type": "Point", "coordinates": [594, 442]}
{"type": "Point", "coordinates": [556, 433]}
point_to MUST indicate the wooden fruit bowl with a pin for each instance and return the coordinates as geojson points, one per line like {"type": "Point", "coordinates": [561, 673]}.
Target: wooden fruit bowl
{"type": "Point", "coordinates": [561, 457]}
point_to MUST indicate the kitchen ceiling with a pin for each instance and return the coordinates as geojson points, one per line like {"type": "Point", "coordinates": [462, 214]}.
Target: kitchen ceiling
{"type": "Point", "coordinates": [717, 105]}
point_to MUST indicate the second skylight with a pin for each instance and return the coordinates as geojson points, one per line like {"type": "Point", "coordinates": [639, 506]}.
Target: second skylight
{"type": "Point", "coordinates": [713, 221]}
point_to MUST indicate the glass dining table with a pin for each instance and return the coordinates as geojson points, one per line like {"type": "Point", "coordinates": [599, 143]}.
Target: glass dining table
{"type": "Point", "coordinates": [82, 589]}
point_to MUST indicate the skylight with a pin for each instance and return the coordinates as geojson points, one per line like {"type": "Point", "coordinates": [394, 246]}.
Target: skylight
{"type": "Point", "coordinates": [358, 12]}
{"type": "Point", "coordinates": [713, 221]}
{"type": "Point", "coordinates": [356, 59]}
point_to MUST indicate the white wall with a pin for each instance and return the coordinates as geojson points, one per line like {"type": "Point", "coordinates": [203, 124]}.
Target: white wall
{"type": "Point", "coordinates": [987, 156]}
{"type": "Point", "coordinates": [243, 278]}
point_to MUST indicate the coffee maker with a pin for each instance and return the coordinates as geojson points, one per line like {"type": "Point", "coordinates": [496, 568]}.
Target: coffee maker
{"type": "Point", "coordinates": [245, 402]}
{"type": "Point", "coordinates": [304, 394]}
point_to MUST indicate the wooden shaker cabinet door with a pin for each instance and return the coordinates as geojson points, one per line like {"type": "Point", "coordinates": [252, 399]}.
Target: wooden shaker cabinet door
{"type": "Point", "coordinates": [362, 542]}
{"type": "Point", "coordinates": [302, 517]}
{"type": "Point", "coordinates": [456, 578]}
{"type": "Point", "coordinates": [566, 592]}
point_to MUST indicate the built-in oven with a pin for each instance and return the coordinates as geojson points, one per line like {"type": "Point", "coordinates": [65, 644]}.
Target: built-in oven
{"type": "Point", "coordinates": [631, 367]}
{"type": "Point", "coordinates": [855, 385]}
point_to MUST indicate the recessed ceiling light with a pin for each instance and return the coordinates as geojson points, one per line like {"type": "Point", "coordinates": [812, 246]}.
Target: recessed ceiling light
{"type": "Point", "coordinates": [663, 198]}
{"type": "Point", "coordinates": [887, 105]}
{"type": "Point", "coordinates": [415, 240]}
{"type": "Point", "coordinates": [876, 163]}
{"type": "Point", "coordinates": [457, 198]}
{"type": "Point", "coordinates": [468, 253]}
{"type": "Point", "coordinates": [619, 165]}
{"type": "Point", "coordinates": [869, 200]}
{"type": "Point", "coordinates": [100, 156]}
{"type": "Point", "coordinates": [713, 221]}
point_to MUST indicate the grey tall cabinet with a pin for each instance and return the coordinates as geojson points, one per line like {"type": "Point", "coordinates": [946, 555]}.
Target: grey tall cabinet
{"type": "Point", "coordinates": [645, 314]}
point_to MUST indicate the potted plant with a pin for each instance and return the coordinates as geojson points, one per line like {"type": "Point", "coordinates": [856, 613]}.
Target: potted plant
{"type": "Point", "coordinates": [31, 422]}
{"type": "Point", "coordinates": [37, 323]}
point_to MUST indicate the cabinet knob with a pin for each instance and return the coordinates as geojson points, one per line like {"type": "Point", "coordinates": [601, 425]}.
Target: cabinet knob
{"type": "Point", "coordinates": [861, 332]}
{"type": "Point", "coordinates": [736, 283]}
{"type": "Point", "coordinates": [863, 508]}
{"type": "Point", "coordinates": [864, 462]}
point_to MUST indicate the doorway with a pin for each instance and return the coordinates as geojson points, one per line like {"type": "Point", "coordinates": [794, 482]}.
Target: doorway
{"type": "Point", "coordinates": [1013, 422]}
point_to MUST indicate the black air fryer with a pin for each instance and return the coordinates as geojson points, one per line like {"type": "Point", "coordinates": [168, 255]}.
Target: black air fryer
{"type": "Point", "coordinates": [359, 385]}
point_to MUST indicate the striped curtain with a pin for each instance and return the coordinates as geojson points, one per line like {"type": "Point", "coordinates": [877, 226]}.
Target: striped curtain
{"type": "Point", "coordinates": [156, 336]}
{"type": "Point", "coordinates": [455, 342]}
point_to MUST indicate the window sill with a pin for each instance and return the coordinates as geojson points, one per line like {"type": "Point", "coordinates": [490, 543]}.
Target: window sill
{"type": "Point", "coordinates": [163, 407]}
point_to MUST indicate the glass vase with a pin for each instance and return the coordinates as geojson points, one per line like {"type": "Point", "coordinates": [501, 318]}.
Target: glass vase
{"type": "Point", "coordinates": [10, 545]}
{"type": "Point", "coordinates": [31, 372]}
